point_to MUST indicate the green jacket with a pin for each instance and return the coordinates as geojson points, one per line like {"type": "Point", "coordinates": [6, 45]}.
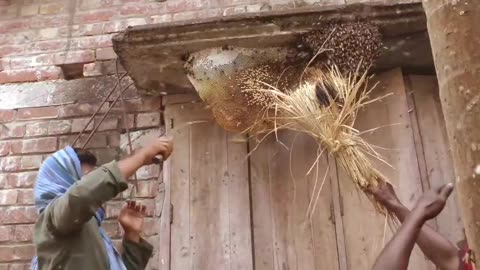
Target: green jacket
{"type": "Point", "coordinates": [67, 235]}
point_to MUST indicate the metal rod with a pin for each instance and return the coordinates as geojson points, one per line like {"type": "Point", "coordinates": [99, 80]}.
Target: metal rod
{"type": "Point", "coordinates": [105, 115]}
{"type": "Point", "coordinates": [98, 109]}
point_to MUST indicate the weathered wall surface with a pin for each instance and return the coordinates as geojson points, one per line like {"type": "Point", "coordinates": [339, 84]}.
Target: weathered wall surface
{"type": "Point", "coordinates": [56, 64]}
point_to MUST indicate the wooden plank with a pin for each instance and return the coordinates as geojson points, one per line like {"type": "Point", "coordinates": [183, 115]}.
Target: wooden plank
{"type": "Point", "coordinates": [209, 198]}
{"type": "Point", "coordinates": [364, 228]}
{"type": "Point", "coordinates": [338, 214]}
{"type": "Point", "coordinates": [179, 178]}
{"type": "Point", "coordinates": [239, 204]}
{"type": "Point", "coordinates": [434, 140]}
{"type": "Point", "coordinates": [209, 192]}
{"type": "Point", "coordinates": [284, 238]}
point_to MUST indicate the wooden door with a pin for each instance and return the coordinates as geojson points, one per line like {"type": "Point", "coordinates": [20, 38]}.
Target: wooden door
{"type": "Point", "coordinates": [209, 193]}
{"type": "Point", "coordinates": [235, 210]}
{"type": "Point", "coordinates": [282, 192]}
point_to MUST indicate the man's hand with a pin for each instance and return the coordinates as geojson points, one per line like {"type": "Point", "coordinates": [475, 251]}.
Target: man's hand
{"type": "Point", "coordinates": [385, 194]}
{"type": "Point", "coordinates": [162, 146]}
{"type": "Point", "coordinates": [131, 218]}
{"type": "Point", "coordinates": [433, 201]}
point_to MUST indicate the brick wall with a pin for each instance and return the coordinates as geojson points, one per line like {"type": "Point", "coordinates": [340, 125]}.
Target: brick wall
{"type": "Point", "coordinates": [29, 135]}
{"type": "Point", "coordinates": [56, 61]}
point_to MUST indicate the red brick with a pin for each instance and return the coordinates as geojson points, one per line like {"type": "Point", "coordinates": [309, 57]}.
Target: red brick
{"type": "Point", "coordinates": [59, 127]}
{"type": "Point", "coordinates": [52, 8]}
{"type": "Point", "coordinates": [73, 57]}
{"type": "Point", "coordinates": [7, 115]}
{"type": "Point", "coordinates": [40, 145]}
{"type": "Point", "coordinates": [11, 50]}
{"type": "Point", "coordinates": [148, 172]}
{"type": "Point", "coordinates": [3, 180]}
{"type": "Point", "coordinates": [48, 33]}
{"type": "Point", "coordinates": [31, 75]}
{"type": "Point", "coordinates": [120, 25]}
{"type": "Point", "coordinates": [196, 14]}
{"type": "Point", "coordinates": [94, 16]}
{"type": "Point", "coordinates": [48, 46]}
{"type": "Point", "coordinates": [112, 228]}
{"type": "Point", "coordinates": [18, 214]}
{"type": "Point", "coordinates": [185, 5]}
{"type": "Point", "coordinates": [14, 26]}
{"type": "Point", "coordinates": [147, 189]}
{"type": "Point", "coordinates": [5, 233]}
{"type": "Point", "coordinates": [113, 139]}
{"type": "Point", "coordinates": [96, 4]}
{"type": "Point", "coordinates": [37, 113]}
{"type": "Point", "coordinates": [37, 129]}
{"type": "Point", "coordinates": [141, 104]}
{"type": "Point", "coordinates": [8, 197]}
{"type": "Point", "coordinates": [81, 109]}
{"type": "Point", "coordinates": [29, 10]}
{"type": "Point", "coordinates": [102, 68]}
{"type": "Point", "coordinates": [23, 62]}
{"type": "Point", "coordinates": [25, 197]}
{"type": "Point", "coordinates": [142, 9]}
{"type": "Point", "coordinates": [12, 130]}
{"type": "Point", "coordinates": [91, 29]}
{"type": "Point", "coordinates": [93, 42]}
{"type": "Point", "coordinates": [108, 124]}
{"type": "Point", "coordinates": [161, 18]}
{"type": "Point", "coordinates": [4, 148]}
{"type": "Point", "coordinates": [105, 155]}
{"type": "Point", "coordinates": [148, 120]}
{"type": "Point", "coordinates": [51, 21]}
{"type": "Point", "coordinates": [130, 122]}
{"type": "Point", "coordinates": [21, 180]}
{"type": "Point", "coordinates": [79, 124]}
{"type": "Point", "coordinates": [105, 53]}
{"type": "Point", "coordinates": [17, 253]}
{"type": "Point", "coordinates": [99, 140]}
{"type": "Point", "coordinates": [23, 233]}
{"type": "Point", "coordinates": [113, 208]}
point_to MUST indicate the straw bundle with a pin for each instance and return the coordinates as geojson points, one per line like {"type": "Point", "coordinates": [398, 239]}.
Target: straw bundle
{"type": "Point", "coordinates": [325, 107]}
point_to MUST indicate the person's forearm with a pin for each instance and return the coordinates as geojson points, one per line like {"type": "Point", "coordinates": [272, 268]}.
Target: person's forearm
{"type": "Point", "coordinates": [396, 254]}
{"type": "Point", "coordinates": [131, 164]}
{"type": "Point", "coordinates": [438, 249]}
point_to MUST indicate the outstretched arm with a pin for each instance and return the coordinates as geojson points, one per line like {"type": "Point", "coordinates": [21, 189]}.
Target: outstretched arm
{"type": "Point", "coordinates": [396, 255]}
{"type": "Point", "coordinates": [79, 204]}
{"type": "Point", "coordinates": [436, 247]}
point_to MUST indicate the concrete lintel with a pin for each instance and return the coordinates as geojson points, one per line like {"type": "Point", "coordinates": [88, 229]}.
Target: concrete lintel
{"type": "Point", "coordinates": [154, 54]}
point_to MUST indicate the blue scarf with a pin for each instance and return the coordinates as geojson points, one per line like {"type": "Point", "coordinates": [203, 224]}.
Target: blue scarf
{"type": "Point", "coordinates": [56, 175]}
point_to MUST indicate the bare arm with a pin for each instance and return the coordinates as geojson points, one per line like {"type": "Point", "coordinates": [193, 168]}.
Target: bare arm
{"type": "Point", "coordinates": [396, 254]}
{"type": "Point", "coordinates": [438, 249]}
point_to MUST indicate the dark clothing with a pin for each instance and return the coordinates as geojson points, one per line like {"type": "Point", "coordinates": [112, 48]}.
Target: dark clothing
{"type": "Point", "coordinates": [67, 234]}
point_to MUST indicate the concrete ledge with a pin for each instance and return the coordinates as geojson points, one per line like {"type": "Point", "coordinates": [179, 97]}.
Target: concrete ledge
{"type": "Point", "coordinates": [48, 93]}
{"type": "Point", "coordinates": [154, 54]}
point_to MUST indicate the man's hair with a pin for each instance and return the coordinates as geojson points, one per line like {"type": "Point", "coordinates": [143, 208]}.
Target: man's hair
{"type": "Point", "coordinates": [86, 157]}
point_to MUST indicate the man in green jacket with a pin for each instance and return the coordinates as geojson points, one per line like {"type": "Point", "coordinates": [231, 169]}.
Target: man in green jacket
{"type": "Point", "coordinates": [69, 194]}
